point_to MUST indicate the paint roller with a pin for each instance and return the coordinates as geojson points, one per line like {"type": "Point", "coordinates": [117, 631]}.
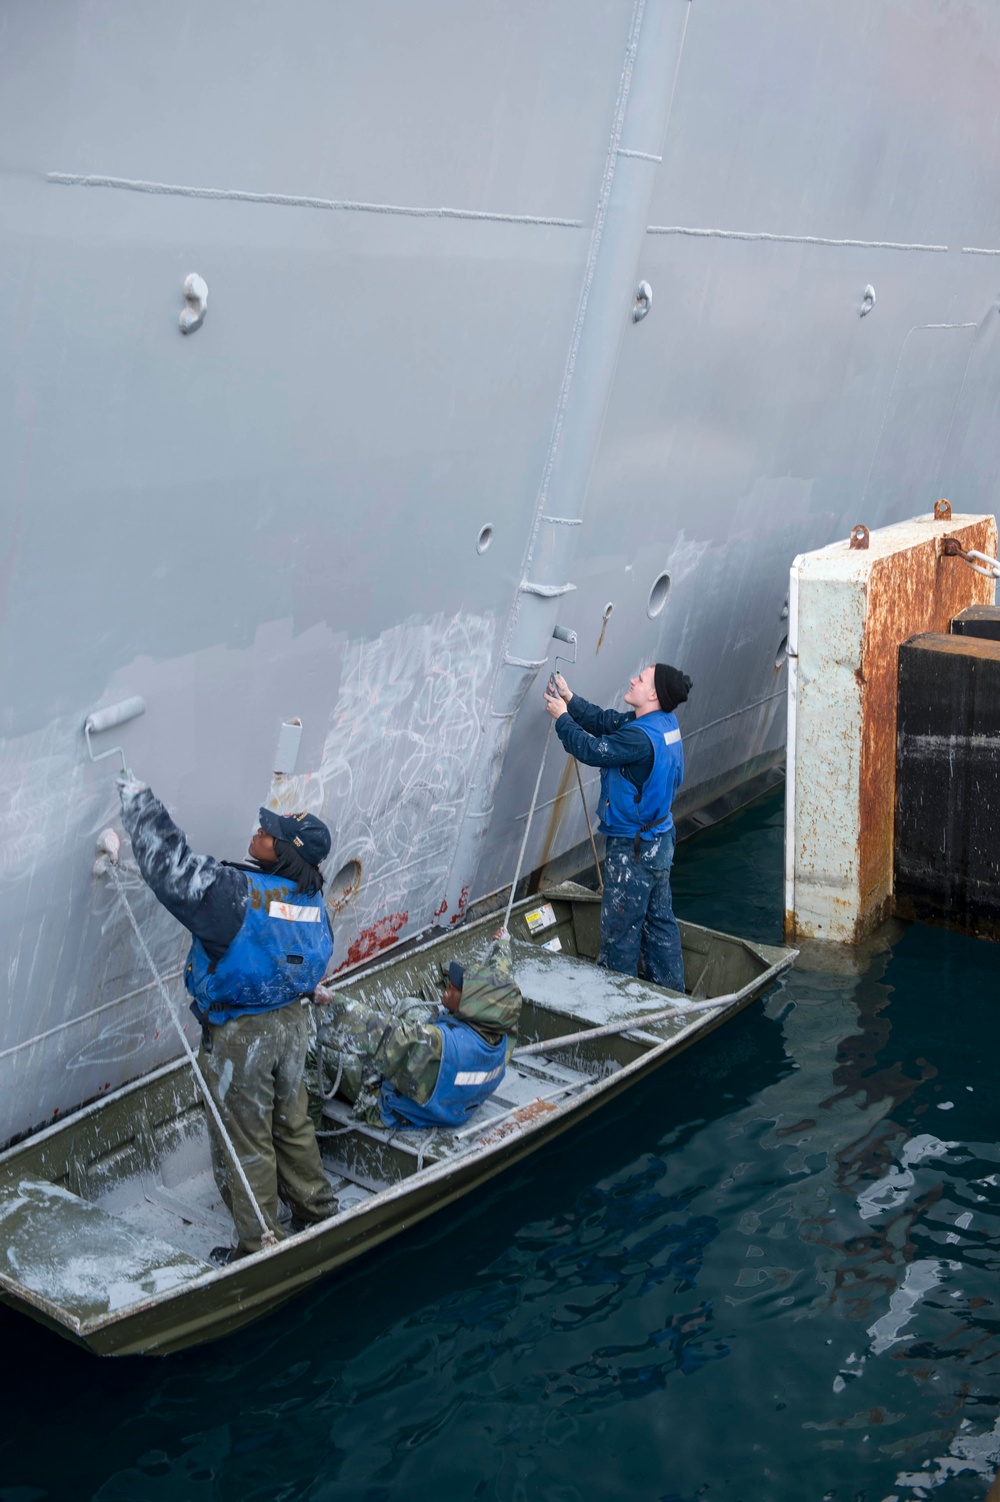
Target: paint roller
{"type": "Point", "coordinates": [109, 719]}
{"type": "Point", "coordinates": [562, 633]}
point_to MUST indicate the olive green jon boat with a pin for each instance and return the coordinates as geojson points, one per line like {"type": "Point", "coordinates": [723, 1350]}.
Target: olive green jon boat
{"type": "Point", "coordinates": [107, 1218]}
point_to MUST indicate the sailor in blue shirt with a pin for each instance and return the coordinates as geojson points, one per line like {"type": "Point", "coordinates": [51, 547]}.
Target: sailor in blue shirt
{"type": "Point", "coordinates": [260, 944]}
{"type": "Point", "coordinates": [641, 758]}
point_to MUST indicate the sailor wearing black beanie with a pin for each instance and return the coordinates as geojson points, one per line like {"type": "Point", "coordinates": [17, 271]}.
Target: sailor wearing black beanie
{"type": "Point", "coordinates": [672, 686]}
{"type": "Point", "coordinates": [642, 764]}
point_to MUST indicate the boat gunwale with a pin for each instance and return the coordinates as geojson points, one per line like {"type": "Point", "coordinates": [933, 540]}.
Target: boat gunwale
{"type": "Point", "coordinates": [519, 1133]}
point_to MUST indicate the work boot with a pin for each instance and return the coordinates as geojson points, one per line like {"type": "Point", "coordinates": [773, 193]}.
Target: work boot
{"type": "Point", "coordinates": [298, 1225]}
{"type": "Point", "coordinates": [222, 1256]}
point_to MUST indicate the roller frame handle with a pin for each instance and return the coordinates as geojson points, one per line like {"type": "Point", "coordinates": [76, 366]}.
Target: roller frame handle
{"type": "Point", "coordinates": [128, 709]}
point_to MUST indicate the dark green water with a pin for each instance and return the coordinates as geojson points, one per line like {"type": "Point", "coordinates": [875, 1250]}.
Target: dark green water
{"type": "Point", "coordinates": [681, 1299]}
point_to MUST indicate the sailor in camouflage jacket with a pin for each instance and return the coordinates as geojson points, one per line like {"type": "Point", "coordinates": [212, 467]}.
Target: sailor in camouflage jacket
{"type": "Point", "coordinates": [399, 1041]}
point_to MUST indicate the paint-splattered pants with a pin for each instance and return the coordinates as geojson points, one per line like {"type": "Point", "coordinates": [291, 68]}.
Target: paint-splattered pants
{"type": "Point", "coordinates": [254, 1071]}
{"type": "Point", "coordinates": [359, 1047]}
{"type": "Point", "coordinates": [637, 915]}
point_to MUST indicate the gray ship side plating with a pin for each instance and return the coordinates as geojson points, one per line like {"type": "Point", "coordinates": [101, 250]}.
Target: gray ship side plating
{"type": "Point", "coordinates": [421, 229]}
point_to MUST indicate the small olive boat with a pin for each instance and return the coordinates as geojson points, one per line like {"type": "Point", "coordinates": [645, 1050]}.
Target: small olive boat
{"type": "Point", "coordinates": [107, 1219]}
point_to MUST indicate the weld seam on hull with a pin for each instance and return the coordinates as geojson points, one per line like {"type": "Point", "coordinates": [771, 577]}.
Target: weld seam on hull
{"type": "Point", "coordinates": [978, 250]}
{"type": "Point", "coordinates": [291, 201]}
{"type": "Point", "coordinates": [510, 640]}
{"type": "Point", "coordinates": [640, 156]}
{"type": "Point", "coordinates": [739, 234]}
{"type": "Point", "coordinates": [547, 591]}
{"type": "Point", "coordinates": [596, 236]}
{"type": "Point", "coordinates": [689, 735]}
{"type": "Point", "coordinates": [588, 782]}
{"type": "Point", "coordinates": [86, 1016]}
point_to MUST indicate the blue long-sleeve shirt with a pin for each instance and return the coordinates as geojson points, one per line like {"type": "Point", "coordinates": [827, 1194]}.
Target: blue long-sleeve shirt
{"type": "Point", "coordinates": [208, 897]}
{"type": "Point", "coordinates": [606, 738]}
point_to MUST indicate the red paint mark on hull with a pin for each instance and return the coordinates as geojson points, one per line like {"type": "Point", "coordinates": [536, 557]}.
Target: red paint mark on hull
{"type": "Point", "coordinates": [462, 904]}
{"type": "Point", "coordinates": [380, 936]}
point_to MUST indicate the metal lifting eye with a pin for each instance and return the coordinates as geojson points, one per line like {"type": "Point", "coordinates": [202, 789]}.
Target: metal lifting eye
{"type": "Point", "coordinates": [643, 302]}
{"type": "Point", "coordinates": [867, 299]}
{"type": "Point", "coordinates": [195, 291]}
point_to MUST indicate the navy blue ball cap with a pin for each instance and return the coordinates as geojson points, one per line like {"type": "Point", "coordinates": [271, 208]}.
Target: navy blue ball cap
{"type": "Point", "coordinates": [456, 974]}
{"type": "Point", "coordinates": [304, 832]}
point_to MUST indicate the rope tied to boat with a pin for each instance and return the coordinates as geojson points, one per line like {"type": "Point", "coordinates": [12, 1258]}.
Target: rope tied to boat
{"type": "Point", "coordinates": [267, 1237]}
{"type": "Point", "coordinates": [981, 562]}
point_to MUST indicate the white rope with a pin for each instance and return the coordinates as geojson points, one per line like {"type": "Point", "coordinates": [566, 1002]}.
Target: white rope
{"type": "Point", "coordinates": [268, 1237]}
{"type": "Point", "coordinates": [527, 828]}
{"type": "Point", "coordinates": [991, 569]}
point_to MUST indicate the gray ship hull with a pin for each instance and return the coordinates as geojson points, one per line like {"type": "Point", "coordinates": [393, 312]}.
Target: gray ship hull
{"type": "Point", "coordinates": [420, 425]}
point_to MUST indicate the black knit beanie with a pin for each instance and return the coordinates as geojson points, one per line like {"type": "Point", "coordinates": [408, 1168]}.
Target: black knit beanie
{"type": "Point", "coordinates": [672, 686]}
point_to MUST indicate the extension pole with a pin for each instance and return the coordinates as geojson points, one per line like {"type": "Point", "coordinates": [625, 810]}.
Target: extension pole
{"type": "Point", "coordinates": [610, 1029]}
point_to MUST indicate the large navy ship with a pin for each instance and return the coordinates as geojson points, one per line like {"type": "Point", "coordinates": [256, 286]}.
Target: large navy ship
{"type": "Point", "coordinates": [351, 349]}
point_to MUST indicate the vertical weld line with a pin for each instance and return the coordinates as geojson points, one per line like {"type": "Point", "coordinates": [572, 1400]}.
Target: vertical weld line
{"type": "Point", "coordinates": [677, 74]}
{"type": "Point", "coordinates": [607, 182]}
{"type": "Point", "coordinates": [597, 234]}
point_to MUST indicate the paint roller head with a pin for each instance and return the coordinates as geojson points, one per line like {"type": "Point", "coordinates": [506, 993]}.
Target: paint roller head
{"type": "Point", "coordinates": [109, 719]}
{"type": "Point", "coordinates": [115, 714]}
{"type": "Point", "coordinates": [562, 633]}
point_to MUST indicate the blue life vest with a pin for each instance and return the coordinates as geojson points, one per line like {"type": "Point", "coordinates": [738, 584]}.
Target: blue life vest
{"type": "Point", "coordinates": [280, 953]}
{"type": "Point", "coordinates": [471, 1069]}
{"type": "Point", "coordinates": [624, 811]}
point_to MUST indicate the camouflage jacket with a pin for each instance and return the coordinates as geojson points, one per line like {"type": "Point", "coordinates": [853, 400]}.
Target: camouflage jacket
{"type": "Point", "coordinates": [401, 1044]}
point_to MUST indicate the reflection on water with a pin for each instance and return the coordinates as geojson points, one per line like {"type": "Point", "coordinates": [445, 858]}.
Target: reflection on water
{"type": "Point", "coordinates": [767, 1273]}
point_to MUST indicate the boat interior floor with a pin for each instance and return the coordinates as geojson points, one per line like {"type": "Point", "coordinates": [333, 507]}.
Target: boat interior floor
{"type": "Point", "coordinates": [176, 1201]}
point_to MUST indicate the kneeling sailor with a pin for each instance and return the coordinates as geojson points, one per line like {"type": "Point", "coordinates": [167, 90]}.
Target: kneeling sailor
{"type": "Point", "coordinates": [403, 1067]}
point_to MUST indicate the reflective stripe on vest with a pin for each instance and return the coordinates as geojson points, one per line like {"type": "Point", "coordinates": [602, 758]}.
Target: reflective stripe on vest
{"type": "Point", "coordinates": [622, 812]}
{"type": "Point", "coordinates": [479, 1076]}
{"type": "Point", "coordinates": [468, 1074]}
{"type": "Point", "coordinates": [280, 953]}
